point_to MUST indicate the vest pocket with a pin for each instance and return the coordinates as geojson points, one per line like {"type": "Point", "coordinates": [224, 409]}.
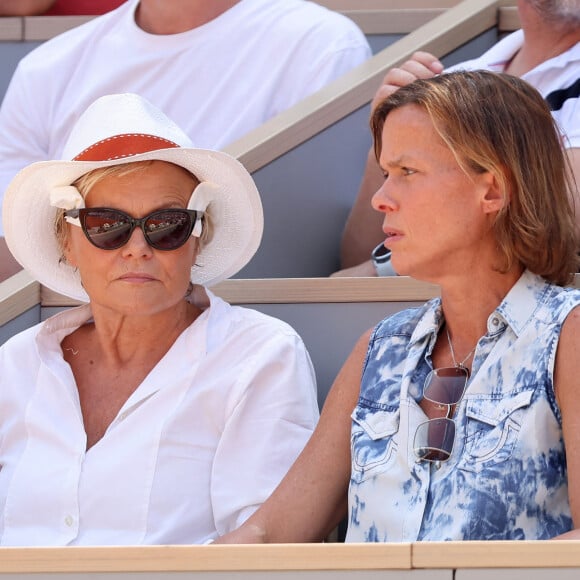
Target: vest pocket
{"type": "Point", "coordinates": [372, 445]}
{"type": "Point", "coordinates": [493, 426]}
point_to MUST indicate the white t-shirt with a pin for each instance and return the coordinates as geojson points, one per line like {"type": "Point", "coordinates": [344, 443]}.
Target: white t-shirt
{"type": "Point", "coordinates": [556, 79]}
{"type": "Point", "coordinates": [199, 445]}
{"type": "Point", "coordinates": [217, 81]}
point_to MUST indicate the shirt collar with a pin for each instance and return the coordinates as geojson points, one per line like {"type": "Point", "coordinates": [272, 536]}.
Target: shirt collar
{"type": "Point", "coordinates": [428, 326]}
{"type": "Point", "coordinates": [522, 302]}
{"type": "Point", "coordinates": [516, 310]}
{"type": "Point", "coordinates": [501, 53]}
{"type": "Point", "coordinates": [63, 323]}
{"type": "Point", "coordinates": [498, 56]}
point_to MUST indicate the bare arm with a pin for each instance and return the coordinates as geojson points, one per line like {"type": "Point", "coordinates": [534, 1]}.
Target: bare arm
{"type": "Point", "coordinates": [566, 376]}
{"type": "Point", "coordinates": [362, 231]}
{"type": "Point", "coordinates": [574, 158]}
{"type": "Point", "coordinates": [24, 7]}
{"type": "Point", "coordinates": [8, 265]}
{"type": "Point", "coordinates": [363, 228]}
{"type": "Point", "coordinates": [312, 498]}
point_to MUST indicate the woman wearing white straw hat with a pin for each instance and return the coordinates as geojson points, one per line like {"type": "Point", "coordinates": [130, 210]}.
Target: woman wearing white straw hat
{"type": "Point", "coordinates": [156, 413]}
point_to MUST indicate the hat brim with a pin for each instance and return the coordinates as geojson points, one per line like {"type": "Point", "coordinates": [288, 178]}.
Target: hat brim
{"type": "Point", "coordinates": [235, 212]}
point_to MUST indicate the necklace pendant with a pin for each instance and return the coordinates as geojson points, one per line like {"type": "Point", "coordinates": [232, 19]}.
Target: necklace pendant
{"type": "Point", "coordinates": [460, 365]}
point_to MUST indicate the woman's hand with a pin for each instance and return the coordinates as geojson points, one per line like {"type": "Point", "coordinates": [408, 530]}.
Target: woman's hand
{"type": "Point", "coordinates": [247, 533]}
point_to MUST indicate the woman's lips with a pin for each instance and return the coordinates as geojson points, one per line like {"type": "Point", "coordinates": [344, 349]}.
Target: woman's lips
{"type": "Point", "coordinates": [392, 236]}
{"type": "Point", "coordinates": [136, 277]}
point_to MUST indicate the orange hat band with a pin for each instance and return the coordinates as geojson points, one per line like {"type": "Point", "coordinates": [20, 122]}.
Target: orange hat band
{"type": "Point", "coordinates": [125, 145]}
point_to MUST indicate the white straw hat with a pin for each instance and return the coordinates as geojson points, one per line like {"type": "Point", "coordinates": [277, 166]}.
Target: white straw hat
{"type": "Point", "coordinates": [119, 129]}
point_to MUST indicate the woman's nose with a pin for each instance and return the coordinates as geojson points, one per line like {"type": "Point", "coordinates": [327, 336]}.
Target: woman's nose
{"type": "Point", "coordinates": [383, 200]}
{"type": "Point", "coordinates": [137, 244]}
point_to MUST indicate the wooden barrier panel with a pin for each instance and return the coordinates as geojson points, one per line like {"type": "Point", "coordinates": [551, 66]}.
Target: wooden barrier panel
{"type": "Point", "coordinates": [297, 557]}
{"type": "Point", "coordinates": [17, 294]}
{"type": "Point", "coordinates": [417, 561]}
{"type": "Point", "coordinates": [500, 560]}
{"type": "Point", "coordinates": [324, 311]}
{"type": "Point", "coordinates": [498, 554]}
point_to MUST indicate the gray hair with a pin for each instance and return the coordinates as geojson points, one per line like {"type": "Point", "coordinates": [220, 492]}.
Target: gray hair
{"type": "Point", "coordinates": [564, 13]}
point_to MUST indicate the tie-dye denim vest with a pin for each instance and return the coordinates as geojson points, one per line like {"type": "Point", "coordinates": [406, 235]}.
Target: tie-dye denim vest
{"type": "Point", "coordinates": [506, 477]}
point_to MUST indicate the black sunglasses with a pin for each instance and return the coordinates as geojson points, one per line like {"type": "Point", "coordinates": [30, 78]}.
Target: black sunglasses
{"type": "Point", "coordinates": [109, 229]}
{"type": "Point", "coordinates": [435, 438]}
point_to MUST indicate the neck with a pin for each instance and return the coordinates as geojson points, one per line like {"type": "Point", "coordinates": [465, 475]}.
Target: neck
{"type": "Point", "coordinates": [177, 16]}
{"type": "Point", "coordinates": [467, 303]}
{"type": "Point", "coordinates": [542, 40]}
{"type": "Point", "coordinates": [125, 339]}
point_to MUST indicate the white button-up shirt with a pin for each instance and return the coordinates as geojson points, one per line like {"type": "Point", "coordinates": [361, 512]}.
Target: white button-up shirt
{"type": "Point", "coordinates": [556, 79]}
{"type": "Point", "coordinates": [198, 446]}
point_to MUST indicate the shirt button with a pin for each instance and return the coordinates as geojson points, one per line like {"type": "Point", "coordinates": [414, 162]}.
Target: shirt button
{"type": "Point", "coordinates": [495, 321]}
{"type": "Point", "coordinates": [69, 521]}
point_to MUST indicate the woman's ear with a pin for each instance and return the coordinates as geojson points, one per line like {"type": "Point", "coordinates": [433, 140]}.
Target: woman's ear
{"type": "Point", "coordinates": [195, 250]}
{"type": "Point", "coordinates": [494, 197]}
{"type": "Point", "coordinates": [67, 250]}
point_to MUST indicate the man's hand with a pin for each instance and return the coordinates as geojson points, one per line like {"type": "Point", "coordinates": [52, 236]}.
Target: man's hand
{"type": "Point", "coordinates": [421, 65]}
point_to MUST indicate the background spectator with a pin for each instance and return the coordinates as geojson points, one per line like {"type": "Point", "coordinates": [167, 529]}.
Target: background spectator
{"type": "Point", "coordinates": [219, 68]}
{"type": "Point", "coordinates": [56, 7]}
{"type": "Point", "coordinates": [545, 52]}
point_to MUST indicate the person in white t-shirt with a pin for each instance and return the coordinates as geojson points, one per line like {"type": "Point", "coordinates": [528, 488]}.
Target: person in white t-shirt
{"type": "Point", "coordinates": [545, 53]}
{"type": "Point", "coordinates": [156, 413]}
{"type": "Point", "coordinates": [219, 69]}
{"type": "Point", "coordinates": [56, 7]}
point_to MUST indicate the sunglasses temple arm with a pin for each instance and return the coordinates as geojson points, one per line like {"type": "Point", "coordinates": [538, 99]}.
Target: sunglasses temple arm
{"type": "Point", "coordinates": [75, 221]}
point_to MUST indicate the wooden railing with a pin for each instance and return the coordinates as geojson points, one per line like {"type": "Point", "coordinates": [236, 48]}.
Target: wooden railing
{"type": "Point", "coordinates": [416, 561]}
{"type": "Point", "coordinates": [372, 17]}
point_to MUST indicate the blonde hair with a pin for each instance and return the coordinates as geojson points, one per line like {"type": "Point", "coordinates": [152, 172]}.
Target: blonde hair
{"type": "Point", "coordinates": [87, 181]}
{"type": "Point", "coordinates": [500, 124]}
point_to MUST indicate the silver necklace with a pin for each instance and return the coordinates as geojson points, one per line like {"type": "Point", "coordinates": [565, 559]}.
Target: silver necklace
{"type": "Point", "coordinates": [462, 363]}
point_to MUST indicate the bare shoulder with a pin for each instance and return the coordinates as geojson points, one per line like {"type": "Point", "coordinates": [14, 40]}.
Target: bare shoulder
{"type": "Point", "coordinates": [571, 327]}
{"type": "Point", "coordinates": [566, 375]}
{"type": "Point", "coordinates": [567, 367]}
{"type": "Point", "coordinates": [359, 352]}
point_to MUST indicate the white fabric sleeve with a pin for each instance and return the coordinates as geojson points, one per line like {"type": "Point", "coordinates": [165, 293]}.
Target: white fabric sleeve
{"type": "Point", "coordinates": [21, 127]}
{"type": "Point", "coordinates": [569, 121]}
{"type": "Point", "coordinates": [336, 63]}
{"type": "Point", "coordinates": [271, 420]}
{"type": "Point", "coordinates": [325, 54]}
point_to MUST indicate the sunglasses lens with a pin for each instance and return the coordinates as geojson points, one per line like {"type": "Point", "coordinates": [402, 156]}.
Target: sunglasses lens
{"type": "Point", "coordinates": [445, 385]}
{"type": "Point", "coordinates": [106, 229]}
{"type": "Point", "coordinates": [168, 230]}
{"type": "Point", "coordinates": [434, 439]}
